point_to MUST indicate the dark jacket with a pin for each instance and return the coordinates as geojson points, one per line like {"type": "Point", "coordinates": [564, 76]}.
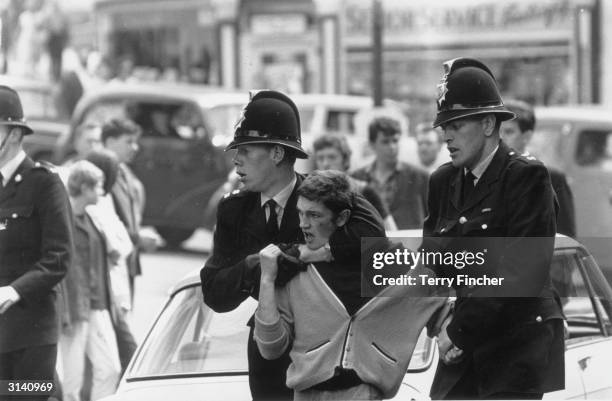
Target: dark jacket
{"type": "Point", "coordinates": [35, 252]}
{"type": "Point", "coordinates": [511, 344]}
{"type": "Point", "coordinates": [129, 205]}
{"type": "Point", "coordinates": [76, 291]}
{"type": "Point", "coordinates": [232, 273]}
{"type": "Point", "coordinates": [409, 205]}
{"type": "Point", "coordinates": [566, 219]}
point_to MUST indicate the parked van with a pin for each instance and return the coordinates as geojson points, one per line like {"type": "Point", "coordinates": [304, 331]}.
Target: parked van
{"type": "Point", "coordinates": [578, 141]}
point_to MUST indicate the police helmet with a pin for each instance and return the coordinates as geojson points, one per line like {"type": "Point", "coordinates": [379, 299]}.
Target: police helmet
{"type": "Point", "coordinates": [11, 112]}
{"type": "Point", "coordinates": [468, 88]}
{"type": "Point", "coordinates": [270, 117]}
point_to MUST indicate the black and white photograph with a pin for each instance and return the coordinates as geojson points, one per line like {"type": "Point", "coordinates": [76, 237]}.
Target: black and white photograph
{"type": "Point", "coordinates": [273, 200]}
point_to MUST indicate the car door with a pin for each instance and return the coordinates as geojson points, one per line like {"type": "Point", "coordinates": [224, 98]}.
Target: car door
{"type": "Point", "coordinates": [588, 352]}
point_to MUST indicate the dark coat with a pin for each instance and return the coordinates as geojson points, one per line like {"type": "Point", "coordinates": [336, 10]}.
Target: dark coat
{"type": "Point", "coordinates": [566, 219]}
{"type": "Point", "coordinates": [35, 252]}
{"type": "Point", "coordinates": [512, 344]}
{"type": "Point", "coordinates": [409, 205]}
{"type": "Point", "coordinates": [129, 204]}
{"type": "Point", "coordinates": [232, 274]}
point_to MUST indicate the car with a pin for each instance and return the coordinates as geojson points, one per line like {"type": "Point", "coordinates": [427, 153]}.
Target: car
{"type": "Point", "coordinates": [181, 161]}
{"type": "Point", "coordinates": [193, 353]}
{"type": "Point", "coordinates": [42, 115]}
{"type": "Point", "coordinates": [578, 141]}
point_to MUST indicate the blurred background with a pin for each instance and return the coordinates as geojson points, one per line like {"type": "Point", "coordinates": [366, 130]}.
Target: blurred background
{"type": "Point", "coordinates": [548, 52]}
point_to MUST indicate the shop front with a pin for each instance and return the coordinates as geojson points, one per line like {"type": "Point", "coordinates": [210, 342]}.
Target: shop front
{"type": "Point", "coordinates": [539, 50]}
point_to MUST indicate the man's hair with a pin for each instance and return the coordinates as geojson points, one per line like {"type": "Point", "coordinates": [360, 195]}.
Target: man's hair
{"type": "Point", "coordinates": [336, 141]}
{"type": "Point", "coordinates": [525, 117]}
{"type": "Point", "coordinates": [118, 127]}
{"type": "Point", "coordinates": [330, 187]}
{"type": "Point", "coordinates": [107, 162]}
{"type": "Point", "coordinates": [383, 125]}
{"type": "Point", "coordinates": [83, 173]}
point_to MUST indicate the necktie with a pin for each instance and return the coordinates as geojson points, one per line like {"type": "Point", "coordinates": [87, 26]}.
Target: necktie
{"type": "Point", "coordinates": [272, 223]}
{"type": "Point", "coordinates": [468, 186]}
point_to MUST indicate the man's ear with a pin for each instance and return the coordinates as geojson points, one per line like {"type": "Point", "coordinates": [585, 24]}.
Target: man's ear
{"type": "Point", "coordinates": [343, 217]}
{"type": "Point", "coordinates": [16, 134]}
{"type": "Point", "coordinates": [488, 123]}
{"type": "Point", "coordinates": [277, 153]}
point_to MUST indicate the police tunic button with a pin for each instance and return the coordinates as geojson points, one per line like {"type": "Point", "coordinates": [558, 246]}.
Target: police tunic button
{"type": "Point", "coordinates": [37, 164]}
{"type": "Point", "coordinates": [511, 153]}
{"type": "Point", "coordinates": [443, 229]}
{"type": "Point", "coordinates": [18, 178]}
{"type": "Point", "coordinates": [539, 319]}
{"type": "Point", "coordinates": [484, 226]}
{"type": "Point", "coordinates": [462, 220]}
{"type": "Point", "coordinates": [14, 215]}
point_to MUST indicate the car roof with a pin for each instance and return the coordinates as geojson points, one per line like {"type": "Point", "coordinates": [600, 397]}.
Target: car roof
{"type": "Point", "coordinates": [161, 91]}
{"type": "Point", "coordinates": [18, 83]}
{"type": "Point", "coordinates": [575, 113]}
{"type": "Point", "coordinates": [193, 278]}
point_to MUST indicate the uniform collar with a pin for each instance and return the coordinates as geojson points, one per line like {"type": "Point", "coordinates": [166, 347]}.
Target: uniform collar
{"type": "Point", "coordinates": [282, 196]}
{"type": "Point", "coordinates": [11, 167]}
{"type": "Point", "coordinates": [481, 167]}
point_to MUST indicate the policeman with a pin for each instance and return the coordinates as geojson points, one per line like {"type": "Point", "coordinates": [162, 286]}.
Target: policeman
{"type": "Point", "coordinates": [35, 251]}
{"type": "Point", "coordinates": [268, 141]}
{"type": "Point", "coordinates": [493, 348]}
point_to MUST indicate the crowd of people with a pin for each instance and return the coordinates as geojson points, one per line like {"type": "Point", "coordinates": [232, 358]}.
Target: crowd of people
{"type": "Point", "coordinates": [294, 243]}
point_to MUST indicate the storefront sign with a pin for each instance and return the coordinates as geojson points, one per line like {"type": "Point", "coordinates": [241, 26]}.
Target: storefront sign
{"type": "Point", "coordinates": [483, 20]}
{"type": "Point", "coordinates": [274, 24]}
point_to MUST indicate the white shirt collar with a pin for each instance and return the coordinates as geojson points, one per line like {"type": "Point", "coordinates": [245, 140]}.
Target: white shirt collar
{"type": "Point", "coordinates": [11, 166]}
{"type": "Point", "coordinates": [282, 197]}
{"type": "Point", "coordinates": [481, 167]}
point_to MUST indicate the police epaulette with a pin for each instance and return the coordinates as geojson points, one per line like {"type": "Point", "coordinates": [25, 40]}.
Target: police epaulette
{"type": "Point", "coordinates": [233, 193]}
{"type": "Point", "coordinates": [45, 165]}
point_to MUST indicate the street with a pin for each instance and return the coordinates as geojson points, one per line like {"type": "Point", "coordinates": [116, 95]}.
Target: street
{"type": "Point", "coordinates": [161, 270]}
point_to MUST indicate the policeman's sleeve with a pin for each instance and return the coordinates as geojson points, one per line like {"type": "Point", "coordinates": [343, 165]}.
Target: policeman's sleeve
{"type": "Point", "coordinates": [227, 279]}
{"type": "Point", "coordinates": [345, 243]}
{"type": "Point", "coordinates": [524, 263]}
{"type": "Point", "coordinates": [53, 208]}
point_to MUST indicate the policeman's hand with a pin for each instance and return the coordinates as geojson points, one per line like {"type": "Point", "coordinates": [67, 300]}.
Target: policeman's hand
{"type": "Point", "coordinates": [148, 240]}
{"type": "Point", "coordinates": [113, 256]}
{"type": "Point", "coordinates": [289, 264]}
{"type": "Point", "coordinates": [322, 254]}
{"type": "Point", "coordinates": [268, 260]}
{"type": "Point", "coordinates": [8, 297]}
{"type": "Point", "coordinates": [449, 353]}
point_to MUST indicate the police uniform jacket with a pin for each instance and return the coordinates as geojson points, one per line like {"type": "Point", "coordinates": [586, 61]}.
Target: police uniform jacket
{"type": "Point", "coordinates": [35, 252]}
{"type": "Point", "coordinates": [508, 342]}
{"type": "Point", "coordinates": [232, 273]}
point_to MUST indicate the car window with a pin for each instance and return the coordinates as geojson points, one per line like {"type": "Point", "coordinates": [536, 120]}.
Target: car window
{"type": "Point", "coordinates": [423, 353]}
{"type": "Point", "coordinates": [546, 143]}
{"type": "Point", "coordinates": [578, 308]}
{"type": "Point", "coordinates": [156, 119]}
{"type": "Point", "coordinates": [601, 289]}
{"type": "Point", "coordinates": [307, 114]}
{"type": "Point", "coordinates": [594, 148]}
{"type": "Point", "coordinates": [222, 121]}
{"type": "Point", "coordinates": [341, 121]}
{"type": "Point", "coordinates": [38, 104]}
{"type": "Point", "coordinates": [189, 338]}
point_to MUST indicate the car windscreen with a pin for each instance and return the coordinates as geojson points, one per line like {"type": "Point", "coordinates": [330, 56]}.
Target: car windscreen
{"type": "Point", "coordinates": [189, 338]}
